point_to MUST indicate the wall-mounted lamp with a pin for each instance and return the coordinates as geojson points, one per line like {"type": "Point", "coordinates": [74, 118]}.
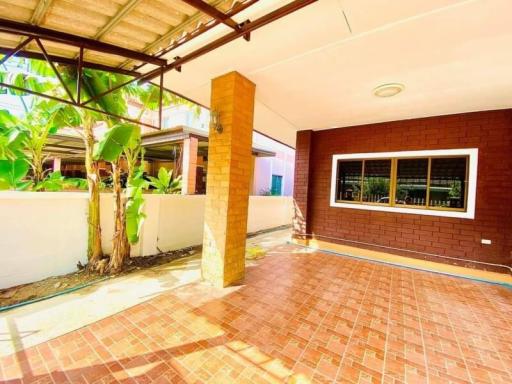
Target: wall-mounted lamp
{"type": "Point", "coordinates": [215, 121]}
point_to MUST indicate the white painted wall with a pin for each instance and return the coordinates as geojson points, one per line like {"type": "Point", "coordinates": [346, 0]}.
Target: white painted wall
{"type": "Point", "coordinates": [268, 212]}
{"type": "Point", "coordinates": [41, 235]}
{"type": "Point", "coordinates": [44, 234]}
{"type": "Point", "coordinates": [180, 221]}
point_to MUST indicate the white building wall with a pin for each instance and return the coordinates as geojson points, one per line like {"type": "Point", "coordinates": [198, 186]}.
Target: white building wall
{"type": "Point", "coordinates": [44, 234]}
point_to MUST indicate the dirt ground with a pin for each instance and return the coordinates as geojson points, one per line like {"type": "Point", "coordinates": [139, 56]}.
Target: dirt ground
{"type": "Point", "coordinates": [56, 284]}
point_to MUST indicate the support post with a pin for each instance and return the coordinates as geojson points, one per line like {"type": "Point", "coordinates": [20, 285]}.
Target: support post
{"type": "Point", "coordinates": [228, 180]}
{"type": "Point", "coordinates": [56, 164]}
{"type": "Point", "coordinates": [189, 166]}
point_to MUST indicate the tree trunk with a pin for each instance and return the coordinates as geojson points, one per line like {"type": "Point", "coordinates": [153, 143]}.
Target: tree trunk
{"type": "Point", "coordinates": [94, 251]}
{"type": "Point", "coordinates": [38, 169]}
{"type": "Point", "coordinates": [119, 242]}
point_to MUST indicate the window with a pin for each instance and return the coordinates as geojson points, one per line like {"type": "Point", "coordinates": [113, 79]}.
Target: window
{"type": "Point", "coordinates": [350, 173]}
{"type": "Point", "coordinates": [376, 181]}
{"type": "Point", "coordinates": [439, 182]}
{"type": "Point", "coordinates": [277, 184]}
{"type": "Point", "coordinates": [411, 182]}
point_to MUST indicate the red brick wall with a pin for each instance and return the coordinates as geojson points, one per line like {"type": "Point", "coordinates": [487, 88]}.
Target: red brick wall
{"type": "Point", "coordinates": [490, 131]}
{"type": "Point", "coordinates": [301, 182]}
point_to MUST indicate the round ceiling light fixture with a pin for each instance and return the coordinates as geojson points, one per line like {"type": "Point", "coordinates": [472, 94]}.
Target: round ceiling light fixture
{"type": "Point", "coordinates": [388, 90]}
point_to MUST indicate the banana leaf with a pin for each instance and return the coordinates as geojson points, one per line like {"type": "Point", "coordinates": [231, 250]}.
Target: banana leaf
{"type": "Point", "coordinates": [135, 206]}
{"type": "Point", "coordinates": [12, 173]}
{"type": "Point", "coordinates": [114, 141]}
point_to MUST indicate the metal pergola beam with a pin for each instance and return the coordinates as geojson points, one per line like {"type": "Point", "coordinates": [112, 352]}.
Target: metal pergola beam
{"type": "Point", "coordinates": [244, 30]}
{"type": "Point", "coordinates": [210, 10]}
{"type": "Point", "coordinates": [72, 102]}
{"type": "Point", "coordinates": [14, 27]}
{"type": "Point", "coordinates": [237, 8]}
{"type": "Point", "coordinates": [16, 50]}
{"type": "Point", "coordinates": [79, 63]}
{"type": "Point", "coordinates": [68, 61]}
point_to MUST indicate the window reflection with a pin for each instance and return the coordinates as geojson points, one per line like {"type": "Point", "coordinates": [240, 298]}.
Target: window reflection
{"type": "Point", "coordinates": [447, 182]}
{"type": "Point", "coordinates": [377, 177]}
{"type": "Point", "coordinates": [411, 182]}
{"type": "Point", "coordinates": [349, 180]}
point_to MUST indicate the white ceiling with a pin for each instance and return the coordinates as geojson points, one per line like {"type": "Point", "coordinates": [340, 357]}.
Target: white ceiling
{"type": "Point", "coordinates": [314, 72]}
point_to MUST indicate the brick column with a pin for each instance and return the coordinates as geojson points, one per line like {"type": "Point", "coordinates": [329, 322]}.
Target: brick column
{"type": "Point", "coordinates": [301, 183]}
{"type": "Point", "coordinates": [189, 166]}
{"type": "Point", "coordinates": [228, 180]}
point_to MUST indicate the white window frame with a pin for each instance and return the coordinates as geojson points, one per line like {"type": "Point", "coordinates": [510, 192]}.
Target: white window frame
{"type": "Point", "coordinates": [471, 153]}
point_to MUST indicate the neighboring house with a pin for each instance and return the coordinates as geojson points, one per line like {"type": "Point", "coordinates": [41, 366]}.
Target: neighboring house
{"type": "Point", "coordinates": [183, 148]}
{"type": "Point", "coordinates": [273, 175]}
{"type": "Point", "coordinates": [274, 162]}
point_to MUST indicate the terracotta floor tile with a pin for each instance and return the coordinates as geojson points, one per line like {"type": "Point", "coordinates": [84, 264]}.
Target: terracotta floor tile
{"type": "Point", "coordinates": [299, 318]}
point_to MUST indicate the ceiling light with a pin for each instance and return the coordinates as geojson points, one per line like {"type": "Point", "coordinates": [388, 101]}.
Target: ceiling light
{"type": "Point", "coordinates": [388, 90]}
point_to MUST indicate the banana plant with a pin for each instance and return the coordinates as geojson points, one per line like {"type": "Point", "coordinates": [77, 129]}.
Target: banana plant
{"type": "Point", "coordinates": [12, 136]}
{"type": "Point", "coordinates": [165, 183]}
{"type": "Point", "coordinates": [128, 209]}
{"type": "Point", "coordinates": [41, 122]}
{"type": "Point", "coordinates": [13, 163]}
{"type": "Point", "coordinates": [53, 182]}
{"type": "Point", "coordinates": [13, 173]}
{"type": "Point", "coordinates": [39, 76]}
{"type": "Point", "coordinates": [135, 205]}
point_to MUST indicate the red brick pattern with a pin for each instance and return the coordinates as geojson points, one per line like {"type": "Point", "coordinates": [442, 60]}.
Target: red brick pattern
{"type": "Point", "coordinates": [490, 132]}
{"type": "Point", "coordinates": [301, 182]}
{"type": "Point", "coordinates": [300, 318]}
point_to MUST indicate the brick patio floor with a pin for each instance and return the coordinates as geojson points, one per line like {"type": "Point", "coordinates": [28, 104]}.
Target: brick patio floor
{"type": "Point", "coordinates": [300, 317]}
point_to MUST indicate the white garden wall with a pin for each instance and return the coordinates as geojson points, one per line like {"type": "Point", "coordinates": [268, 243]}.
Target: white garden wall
{"type": "Point", "coordinates": [44, 234]}
{"type": "Point", "coordinates": [41, 235]}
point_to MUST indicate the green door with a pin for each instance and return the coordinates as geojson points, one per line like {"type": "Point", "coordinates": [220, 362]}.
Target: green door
{"type": "Point", "coordinates": [277, 184]}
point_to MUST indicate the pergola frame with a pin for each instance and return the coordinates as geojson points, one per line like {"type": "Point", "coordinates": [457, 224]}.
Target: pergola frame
{"type": "Point", "coordinates": [34, 33]}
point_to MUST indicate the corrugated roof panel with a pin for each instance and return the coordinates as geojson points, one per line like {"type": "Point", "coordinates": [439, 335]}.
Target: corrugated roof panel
{"type": "Point", "coordinates": [14, 10]}
{"type": "Point", "coordinates": [105, 7]}
{"type": "Point", "coordinates": [127, 29]}
{"type": "Point", "coordinates": [75, 16]}
{"type": "Point", "coordinates": [145, 25]}
{"type": "Point", "coordinates": [155, 10]}
{"type": "Point", "coordinates": [180, 6]}
{"type": "Point", "coordinates": [69, 24]}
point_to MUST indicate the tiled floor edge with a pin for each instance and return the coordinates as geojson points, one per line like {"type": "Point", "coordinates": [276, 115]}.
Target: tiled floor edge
{"type": "Point", "coordinates": [406, 262]}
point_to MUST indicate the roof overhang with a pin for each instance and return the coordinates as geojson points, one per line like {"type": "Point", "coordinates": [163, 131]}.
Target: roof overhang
{"type": "Point", "coordinates": [72, 146]}
{"type": "Point", "coordinates": [318, 68]}
{"type": "Point", "coordinates": [315, 69]}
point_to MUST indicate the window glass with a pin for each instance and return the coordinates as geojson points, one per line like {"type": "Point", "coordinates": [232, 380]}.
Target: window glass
{"type": "Point", "coordinates": [377, 177]}
{"type": "Point", "coordinates": [411, 182]}
{"type": "Point", "coordinates": [349, 180]}
{"type": "Point", "coordinates": [448, 182]}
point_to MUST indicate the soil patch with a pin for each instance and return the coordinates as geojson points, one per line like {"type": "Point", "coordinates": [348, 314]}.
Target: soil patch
{"type": "Point", "coordinates": [57, 284]}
